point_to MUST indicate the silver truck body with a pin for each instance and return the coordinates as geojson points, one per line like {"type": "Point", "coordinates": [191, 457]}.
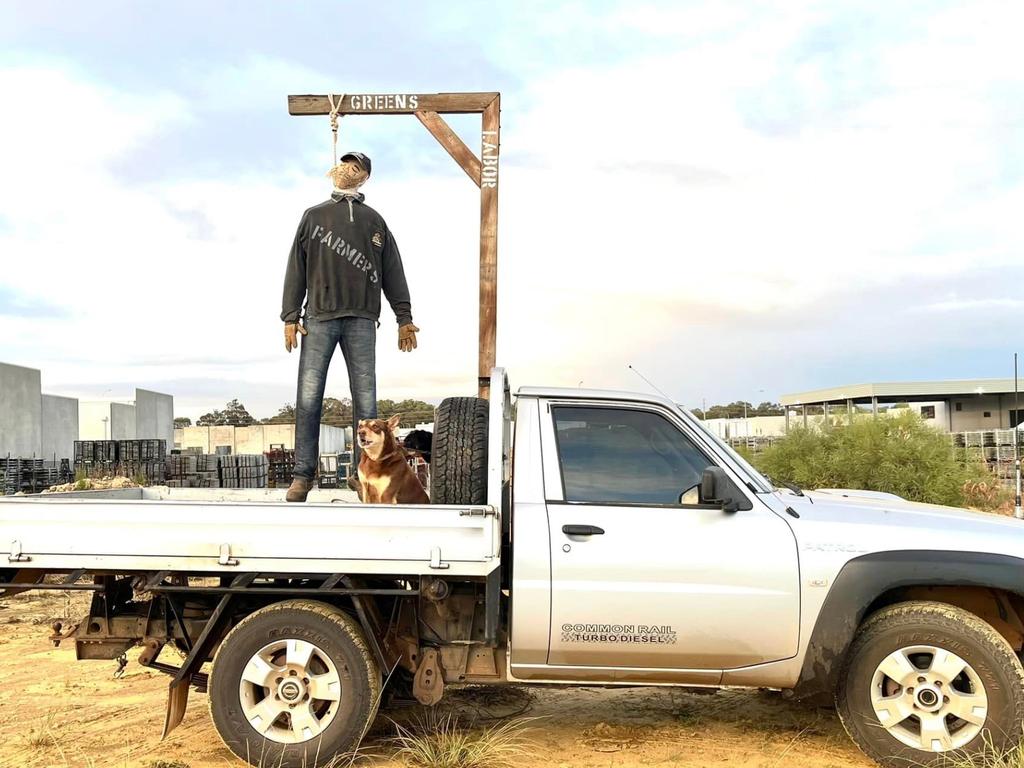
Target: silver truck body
{"type": "Point", "coordinates": [727, 582]}
{"type": "Point", "coordinates": [668, 595]}
{"type": "Point", "coordinates": [741, 592]}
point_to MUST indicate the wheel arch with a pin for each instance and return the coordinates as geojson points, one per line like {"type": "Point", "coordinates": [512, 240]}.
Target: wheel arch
{"type": "Point", "coordinates": [988, 585]}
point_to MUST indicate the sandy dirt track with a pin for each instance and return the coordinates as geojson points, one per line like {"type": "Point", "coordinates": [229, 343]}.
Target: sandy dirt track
{"type": "Point", "coordinates": [55, 711]}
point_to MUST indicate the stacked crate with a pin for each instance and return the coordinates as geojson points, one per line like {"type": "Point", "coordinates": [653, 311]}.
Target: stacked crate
{"type": "Point", "coordinates": [29, 475]}
{"type": "Point", "coordinates": [143, 459]}
{"type": "Point", "coordinates": [329, 474]}
{"type": "Point", "coordinates": [280, 466]}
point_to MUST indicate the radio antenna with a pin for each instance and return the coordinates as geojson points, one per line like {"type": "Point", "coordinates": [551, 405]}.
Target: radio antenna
{"type": "Point", "coordinates": [650, 383]}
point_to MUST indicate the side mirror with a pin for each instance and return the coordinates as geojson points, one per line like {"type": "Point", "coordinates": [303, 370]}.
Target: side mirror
{"type": "Point", "coordinates": [716, 488]}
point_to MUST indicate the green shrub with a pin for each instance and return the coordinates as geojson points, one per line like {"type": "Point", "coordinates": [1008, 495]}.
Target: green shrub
{"type": "Point", "coordinates": [899, 454]}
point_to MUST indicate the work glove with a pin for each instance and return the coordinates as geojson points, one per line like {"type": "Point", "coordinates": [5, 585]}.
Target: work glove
{"type": "Point", "coordinates": [291, 340]}
{"type": "Point", "coordinates": [407, 337]}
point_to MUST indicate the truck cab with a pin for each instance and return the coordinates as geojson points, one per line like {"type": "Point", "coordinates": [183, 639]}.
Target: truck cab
{"type": "Point", "coordinates": [623, 568]}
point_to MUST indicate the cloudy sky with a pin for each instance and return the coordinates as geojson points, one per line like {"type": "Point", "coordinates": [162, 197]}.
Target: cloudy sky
{"type": "Point", "coordinates": [740, 199]}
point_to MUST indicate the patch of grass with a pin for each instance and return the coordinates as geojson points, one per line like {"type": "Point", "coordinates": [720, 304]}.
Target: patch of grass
{"type": "Point", "coordinates": [41, 736]}
{"type": "Point", "coordinates": [441, 742]}
{"type": "Point", "coordinates": [989, 757]}
{"type": "Point", "coordinates": [168, 764]}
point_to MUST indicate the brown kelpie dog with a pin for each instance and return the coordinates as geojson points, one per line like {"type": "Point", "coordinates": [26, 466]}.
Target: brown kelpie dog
{"type": "Point", "coordinates": [384, 475]}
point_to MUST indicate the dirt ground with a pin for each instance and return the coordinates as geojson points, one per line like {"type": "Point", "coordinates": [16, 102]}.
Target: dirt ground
{"type": "Point", "coordinates": [57, 712]}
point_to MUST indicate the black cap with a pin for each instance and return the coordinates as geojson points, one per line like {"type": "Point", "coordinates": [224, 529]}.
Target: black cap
{"type": "Point", "coordinates": [360, 158]}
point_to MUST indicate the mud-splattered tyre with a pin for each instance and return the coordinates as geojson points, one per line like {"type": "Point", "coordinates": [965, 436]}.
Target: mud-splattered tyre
{"type": "Point", "coordinates": [293, 685]}
{"type": "Point", "coordinates": [924, 682]}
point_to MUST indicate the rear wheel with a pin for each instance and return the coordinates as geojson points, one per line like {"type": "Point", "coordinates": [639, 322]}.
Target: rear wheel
{"type": "Point", "coordinates": [458, 467]}
{"type": "Point", "coordinates": [293, 685]}
{"type": "Point", "coordinates": [925, 680]}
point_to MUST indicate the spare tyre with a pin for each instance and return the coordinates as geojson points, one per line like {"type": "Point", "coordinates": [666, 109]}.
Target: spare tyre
{"type": "Point", "coordinates": [458, 467]}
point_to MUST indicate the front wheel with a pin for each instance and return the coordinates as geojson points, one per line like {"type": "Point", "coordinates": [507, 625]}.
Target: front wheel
{"type": "Point", "coordinates": [293, 685]}
{"type": "Point", "coordinates": [923, 680]}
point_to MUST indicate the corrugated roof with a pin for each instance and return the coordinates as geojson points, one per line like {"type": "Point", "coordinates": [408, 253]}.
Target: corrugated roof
{"type": "Point", "coordinates": [941, 390]}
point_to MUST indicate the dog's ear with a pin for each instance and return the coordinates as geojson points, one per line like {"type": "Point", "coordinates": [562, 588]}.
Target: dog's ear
{"type": "Point", "coordinates": [393, 421]}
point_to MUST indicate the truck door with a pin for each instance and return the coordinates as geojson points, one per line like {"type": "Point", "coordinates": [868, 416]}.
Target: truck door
{"type": "Point", "coordinates": [642, 574]}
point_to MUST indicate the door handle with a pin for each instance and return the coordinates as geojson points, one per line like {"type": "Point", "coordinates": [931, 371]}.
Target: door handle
{"type": "Point", "coordinates": [582, 530]}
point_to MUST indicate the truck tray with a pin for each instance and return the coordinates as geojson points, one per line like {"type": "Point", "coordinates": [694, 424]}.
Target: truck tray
{"type": "Point", "coordinates": [228, 531]}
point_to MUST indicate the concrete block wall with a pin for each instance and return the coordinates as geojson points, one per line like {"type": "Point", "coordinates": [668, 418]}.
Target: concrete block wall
{"type": "Point", "coordinates": [122, 421]}
{"type": "Point", "coordinates": [154, 416]}
{"type": "Point", "coordinates": [250, 439]}
{"type": "Point", "coordinates": [59, 427]}
{"type": "Point", "coordinates": [21, 406]}
{"type": "Point", "coordinates": [94, 420]}
{"type": "Point", "coordinates": [256, 439]}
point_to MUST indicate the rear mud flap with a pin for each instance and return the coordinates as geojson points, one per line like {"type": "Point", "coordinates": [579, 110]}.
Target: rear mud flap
{"type": "Point", "coordinates": [177, 701]}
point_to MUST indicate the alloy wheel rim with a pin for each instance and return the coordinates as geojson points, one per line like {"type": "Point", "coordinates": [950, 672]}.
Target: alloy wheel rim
{"type": "Point", "coordinates": [929, 698]}
{"type": "Point", "coordinates": [290, 691]}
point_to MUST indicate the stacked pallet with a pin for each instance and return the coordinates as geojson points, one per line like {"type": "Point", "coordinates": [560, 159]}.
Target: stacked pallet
{"type": "Point", "coordinates": [243, 471]}
{"type": "Point", "coordinates": [994, 447]}
{"type": "Point", "coordinates": [31, 475]}
{"type": "Point", "coordinates": [193, 471]}
{"type": "Point", "coordinates": [141, 460]}
{"type": "Point", "coordinates": [215, 471]}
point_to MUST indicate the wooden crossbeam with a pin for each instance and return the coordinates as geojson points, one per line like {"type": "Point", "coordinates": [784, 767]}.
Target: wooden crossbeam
{"type": "Point", "coordinates": [483, 170]}
{"type": "Point", "coordinates": [391, 103]}
{"type": "Point", "coordinates": [455, 146]}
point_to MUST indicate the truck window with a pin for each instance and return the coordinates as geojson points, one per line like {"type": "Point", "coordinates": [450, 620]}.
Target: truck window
{"type": "Point", "coordinates": [624, 456]}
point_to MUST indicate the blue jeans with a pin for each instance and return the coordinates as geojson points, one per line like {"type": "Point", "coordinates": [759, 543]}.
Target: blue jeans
{"type": "Point", "coordinates": [357, 337]}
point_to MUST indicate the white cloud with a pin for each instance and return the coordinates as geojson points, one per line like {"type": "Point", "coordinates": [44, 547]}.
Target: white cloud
{"type": "Point", "coordinates": [686, 208]}
{"type": "Point", "coordinates": [961, 305]}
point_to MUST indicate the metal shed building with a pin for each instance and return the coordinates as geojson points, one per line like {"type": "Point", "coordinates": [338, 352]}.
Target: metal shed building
{"type": "Point", "coordinates": [956, 406]}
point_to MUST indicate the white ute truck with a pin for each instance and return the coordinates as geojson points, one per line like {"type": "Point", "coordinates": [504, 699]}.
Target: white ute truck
{"type": "Point", "coordinates": [609, 539]}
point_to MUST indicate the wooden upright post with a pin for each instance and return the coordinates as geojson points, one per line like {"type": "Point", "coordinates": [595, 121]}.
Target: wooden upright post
{"type": "Point", "coordinates": [489, 154]}
{"type": "Point", "coordinates": [483, 171]}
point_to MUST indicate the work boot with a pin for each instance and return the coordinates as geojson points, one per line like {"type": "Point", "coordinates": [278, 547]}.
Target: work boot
{"type": "Point", "coordinates": [299, 489]}
{"type": "Point", "coordinates": [355, 485]}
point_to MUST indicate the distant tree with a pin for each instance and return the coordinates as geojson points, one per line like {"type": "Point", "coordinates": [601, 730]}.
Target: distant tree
{"type": "Point", "coordinates": [337, 412]}
{"type": "Point", "coordinates": [285, 415]}
{"type": "Point", "coordinates": [233, 415]}
{"type": "Point", "coordinates": [181, 422]}
{"type": "Point", "coordinates": [735, 410]}
{"type": "Point", "coordinates": [412, 412]}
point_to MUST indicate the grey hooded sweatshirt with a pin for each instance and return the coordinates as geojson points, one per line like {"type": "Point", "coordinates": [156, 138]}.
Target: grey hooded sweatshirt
{"type": "Point", "coordinates": [343, 256]}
